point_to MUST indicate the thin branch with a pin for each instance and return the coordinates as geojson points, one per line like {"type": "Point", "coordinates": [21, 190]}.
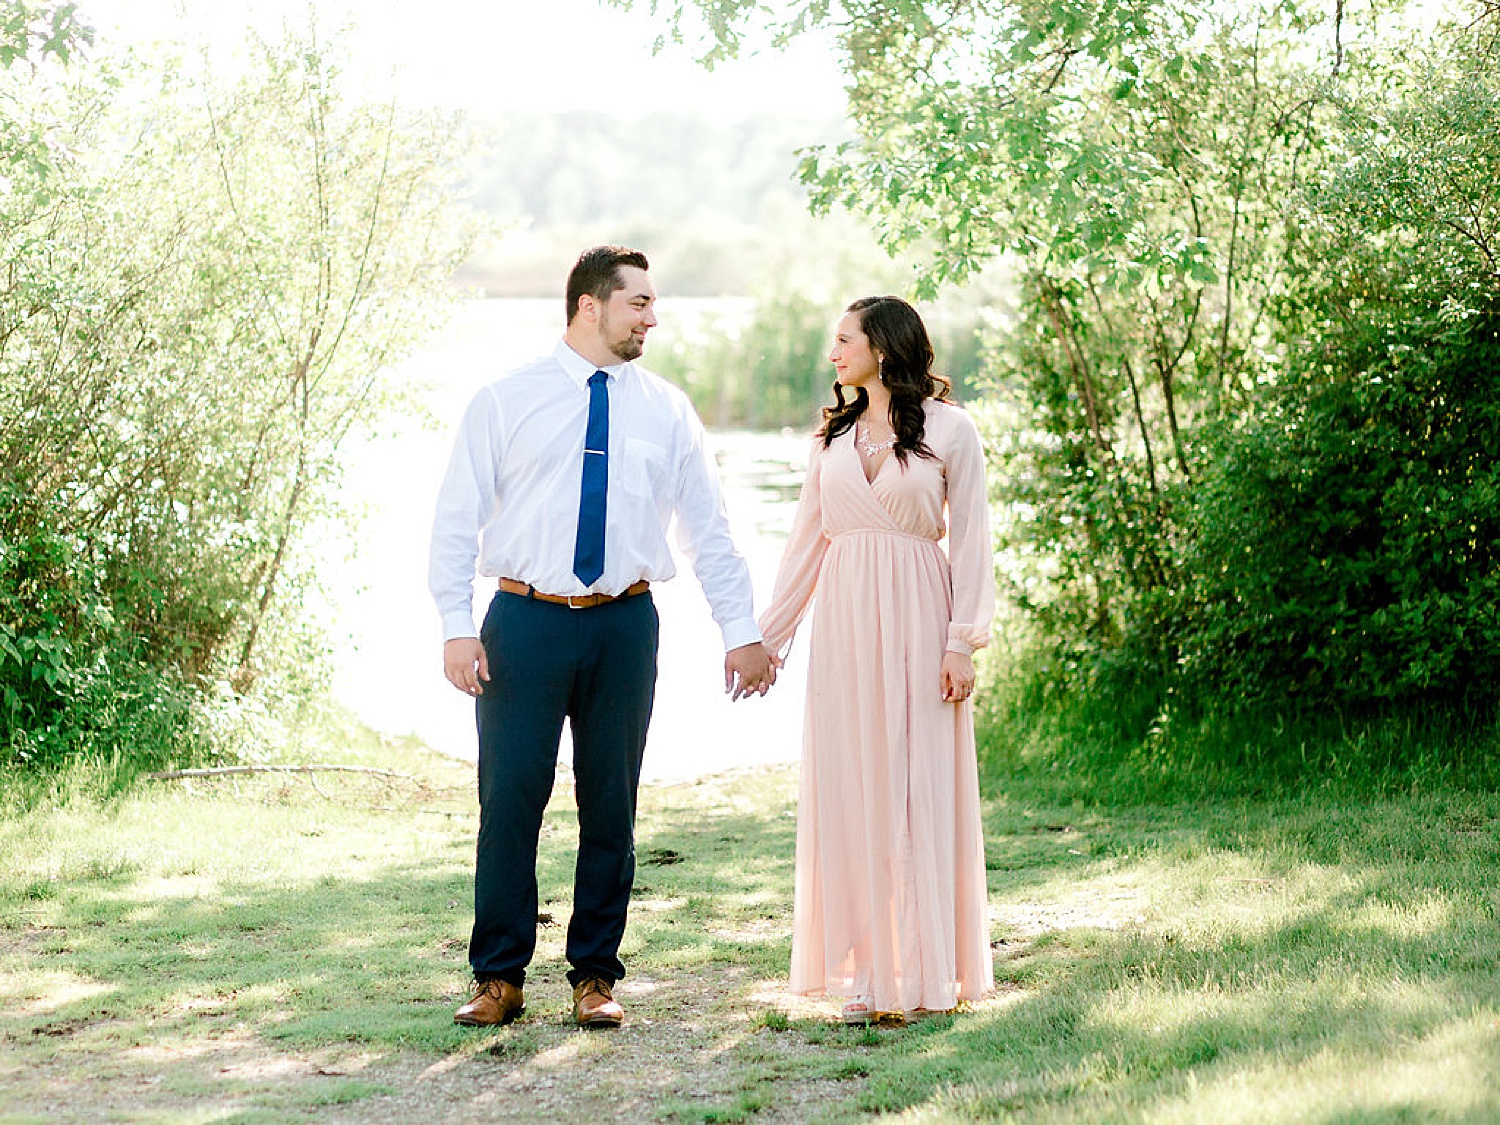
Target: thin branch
{"type": "Point", "coordinates": [227, 771]}
{"type": "Point", "coordinates": [1338, 36]}
{"type": "Point", "coordinates": [1140, 418]}
{"type": "Point", "coordinates": [1135, 392]}
{"type": "Point", "coordinates": [1477, 235]}
{"type": "Point", "coordinates": [1166, 368]}
{"type": "Point", "coordinates": [1066, 54]}
{"type": "Point", "coordinates": [1051, 301]}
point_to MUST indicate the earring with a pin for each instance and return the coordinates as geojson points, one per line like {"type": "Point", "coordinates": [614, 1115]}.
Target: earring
{"type": "Point", "coordinates": [880, 370]}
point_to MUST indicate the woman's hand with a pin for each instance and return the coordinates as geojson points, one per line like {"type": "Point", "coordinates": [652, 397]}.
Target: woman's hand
{"type": "Point", "coordinates": [958, 677]}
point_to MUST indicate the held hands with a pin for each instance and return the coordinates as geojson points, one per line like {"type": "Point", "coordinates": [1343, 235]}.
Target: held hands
{"type": "Point", "coordinates": [465, 665]}
{"type": "Point", "coordinates": [750, 670]}
{"type": "Point", "coordinates": [957, 677]}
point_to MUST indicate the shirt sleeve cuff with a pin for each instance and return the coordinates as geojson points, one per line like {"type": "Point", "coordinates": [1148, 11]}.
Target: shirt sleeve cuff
{"type": "Point", "coordinates": [740, 633]}
{"type": "Point", "coordinates": [458, 624]}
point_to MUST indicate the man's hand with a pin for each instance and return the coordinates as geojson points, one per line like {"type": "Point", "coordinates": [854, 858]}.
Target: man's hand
{"type": "Point", "coordinates": [465, 665]}
{"type": "Point", "coordinates": [750, 670]}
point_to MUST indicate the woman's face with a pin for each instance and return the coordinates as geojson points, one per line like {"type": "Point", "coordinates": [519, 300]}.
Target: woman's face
{"type": "Point", "coordinates": [852, 356]}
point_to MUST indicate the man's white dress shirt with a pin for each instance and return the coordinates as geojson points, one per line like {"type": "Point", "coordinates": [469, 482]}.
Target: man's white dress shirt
{"type": "Point", "coordinates": [510, 497]}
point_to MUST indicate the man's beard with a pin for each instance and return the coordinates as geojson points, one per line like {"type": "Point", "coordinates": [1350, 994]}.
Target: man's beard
{"type": "Point", "coordinates": [627, 349]}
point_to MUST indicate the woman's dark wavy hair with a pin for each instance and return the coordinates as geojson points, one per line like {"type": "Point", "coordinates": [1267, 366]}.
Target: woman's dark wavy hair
{"type": "Point", "coordinates": [898, 335]}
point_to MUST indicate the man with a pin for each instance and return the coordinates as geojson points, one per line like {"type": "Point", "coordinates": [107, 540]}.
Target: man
{"type": "Point", "coordinates": [565, 476]}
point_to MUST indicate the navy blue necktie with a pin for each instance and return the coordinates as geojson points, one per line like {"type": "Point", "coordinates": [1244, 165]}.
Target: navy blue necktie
{"type": "Point", "coordinates": [588, 550]}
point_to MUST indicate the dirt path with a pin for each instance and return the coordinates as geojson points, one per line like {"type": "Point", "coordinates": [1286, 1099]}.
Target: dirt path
{"type": "Point", "coordinates": [162, 963]}
{"type": "Point", "coordinates": [690, 1050]}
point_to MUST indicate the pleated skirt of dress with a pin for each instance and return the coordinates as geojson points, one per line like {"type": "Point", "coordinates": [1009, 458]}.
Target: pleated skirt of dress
{"type": "Point", "coordinates": [891, 899]}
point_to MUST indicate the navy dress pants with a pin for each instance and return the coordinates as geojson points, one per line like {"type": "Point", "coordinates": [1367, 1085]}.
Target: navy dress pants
{"type": "Point", "coordinates": [596, 669]}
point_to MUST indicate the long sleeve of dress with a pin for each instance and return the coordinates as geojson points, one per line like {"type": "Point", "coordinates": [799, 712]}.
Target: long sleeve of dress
{"type": "Point", "coordinates": [969, 543]}
{"type": "Point", "coordinates": [797, 576]}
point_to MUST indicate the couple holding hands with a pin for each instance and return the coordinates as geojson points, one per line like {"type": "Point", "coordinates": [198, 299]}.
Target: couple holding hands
{"type": "Point", "coordinates": [565, 477]}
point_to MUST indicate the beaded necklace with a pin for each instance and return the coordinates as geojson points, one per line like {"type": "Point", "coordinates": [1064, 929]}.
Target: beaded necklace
{"type": "Point", "coordinates": [871, 448]}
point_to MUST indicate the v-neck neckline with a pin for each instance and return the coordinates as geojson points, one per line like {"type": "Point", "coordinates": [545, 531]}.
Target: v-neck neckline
{"type": "Point", "coordinates": [879, 469]}
{"type": "Point", "coordinates": [860, 460]}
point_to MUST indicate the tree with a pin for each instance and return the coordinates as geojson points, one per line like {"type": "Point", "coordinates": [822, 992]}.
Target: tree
{"type": "Point", "coordinates": [205, 285]}
{"type": "Point", "coordinates": [1361, 509]}
{"type": "Point", "coordinates": [38, 32]}
{"type": "Point", "coordinates": [1211, 208]}
{"type": "Point", "coordinates": [1128, 157]}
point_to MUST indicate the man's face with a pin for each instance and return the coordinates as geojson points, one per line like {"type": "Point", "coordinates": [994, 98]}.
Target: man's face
{"type": "Point", "coordinates": [628, 315]}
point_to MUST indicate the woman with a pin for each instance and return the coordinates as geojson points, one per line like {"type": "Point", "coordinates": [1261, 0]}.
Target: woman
{"type": "Point", "coordinates": [891, 907]}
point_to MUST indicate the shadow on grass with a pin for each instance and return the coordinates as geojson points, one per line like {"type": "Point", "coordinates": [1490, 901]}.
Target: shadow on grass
{"type": "Point", "coordinates": [1353, 977]}
{"type": "Point", "coordinates": [1334, 964]}
{"type": "Point", "coordinates": [121, 968]}
{"type": "Point", "coordinates": [355, 959]}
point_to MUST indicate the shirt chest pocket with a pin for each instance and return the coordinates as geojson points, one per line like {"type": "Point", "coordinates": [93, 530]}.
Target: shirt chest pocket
{"type": "Point", "coordinates": [645, 468]}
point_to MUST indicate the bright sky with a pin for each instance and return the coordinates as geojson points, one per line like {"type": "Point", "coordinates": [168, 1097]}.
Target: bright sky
{"type": "Point", "coordinates": [510, 54]}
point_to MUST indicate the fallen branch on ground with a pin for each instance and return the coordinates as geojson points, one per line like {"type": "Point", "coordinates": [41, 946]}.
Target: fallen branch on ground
{"type": "Point", "coordinates": [224, 771]}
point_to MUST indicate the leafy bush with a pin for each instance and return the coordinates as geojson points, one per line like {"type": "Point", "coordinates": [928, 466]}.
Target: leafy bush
{"type": "Point", "coordinates": [205, 285]}
{"type": "Point", "coordinates": [74, 681]}
{"type": "Point", "coordinates": [1344, 545]}
{"type": "Point", "coordinates": [1348, 548]}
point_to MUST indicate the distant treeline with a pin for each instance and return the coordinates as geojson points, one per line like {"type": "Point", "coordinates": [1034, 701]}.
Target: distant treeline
{"type": "Point", "coordinates": [711, 203]}
{"type": "Point", "coordinates": [769, 369]}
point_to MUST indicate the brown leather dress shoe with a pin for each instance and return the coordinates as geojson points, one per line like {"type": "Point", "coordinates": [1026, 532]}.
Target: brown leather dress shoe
{"type": "Point", "coordinates": [494, 1002]}
{"type": "Point", "coordinates": [594, 1004]}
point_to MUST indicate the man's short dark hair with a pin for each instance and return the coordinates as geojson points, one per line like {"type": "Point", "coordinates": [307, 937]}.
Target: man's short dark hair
{"type": "Point", "coordinates": [597, 273]}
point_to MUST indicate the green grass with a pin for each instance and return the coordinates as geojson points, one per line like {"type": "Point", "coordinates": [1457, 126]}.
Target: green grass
{"type": "Point", "coordinates": [1125, 740]}
{"type": "Point", "coordinates": [260, 950]}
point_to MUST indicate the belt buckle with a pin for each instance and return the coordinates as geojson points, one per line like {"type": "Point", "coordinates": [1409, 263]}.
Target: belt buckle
{"type": "Point", "coordinates": [582, 598]}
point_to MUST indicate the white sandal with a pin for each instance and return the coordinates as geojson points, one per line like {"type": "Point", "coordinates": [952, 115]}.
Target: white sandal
{"type": "Point", "coordinates": [860, 1011]}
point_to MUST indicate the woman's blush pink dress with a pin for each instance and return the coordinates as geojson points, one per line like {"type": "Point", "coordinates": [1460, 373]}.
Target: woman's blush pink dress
{"type": "Point", "coordinates": [890, 890]}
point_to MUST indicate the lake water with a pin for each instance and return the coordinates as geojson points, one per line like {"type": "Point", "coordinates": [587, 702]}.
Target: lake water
{"type": "Point", "coordinates": [389, 667]}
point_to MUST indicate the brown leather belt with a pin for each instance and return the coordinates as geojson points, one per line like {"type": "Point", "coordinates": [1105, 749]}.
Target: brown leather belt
{"type": "Point", "coordinates": [572, 601]}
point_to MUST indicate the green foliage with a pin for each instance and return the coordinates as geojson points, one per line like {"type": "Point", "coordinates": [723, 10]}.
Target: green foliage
{"type": "Point", "coordinates": [1345, 547]}
{"type": "Point", "coordinates": [763, 362]}
{"type": "Point", "coordinates": [1124, 738]}
{"type": "Point", "coordinates": [767, 371]}
{"type": "Point", "coordinates": [1352, 553]}
{"type": "Point", "coordinates": [70, 680]}
{"type": "Point", "coordinates": [1247, 398]}
{"type": "Point", "coordinates": [36, 32]}
{"type": "Point", "coordinates": [767, 367]}
{"type": "Point", "coordinates": [205, 284]}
